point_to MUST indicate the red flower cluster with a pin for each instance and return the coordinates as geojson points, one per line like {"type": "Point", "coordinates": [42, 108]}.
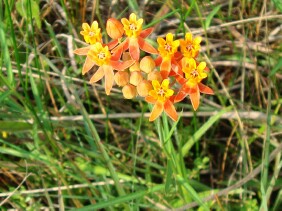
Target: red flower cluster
{"type": "Point", "coordinates": [163, 80]}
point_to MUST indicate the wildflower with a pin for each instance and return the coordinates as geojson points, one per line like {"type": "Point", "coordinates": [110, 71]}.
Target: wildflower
{"type": "Point", "coordinates": [143, 88]}
{"type": "Point", "coordinates": [167, 48]}
{"type": "Point", "coordinates": [91, 34]}
{"type": "Point", "coordinates": [147, 64]}
{"type": "Point", "coordinates": [102, 57]}
{"type": "Point", "coordinates": [160, 96]}
{"type": "Point", "coordinates": [190, 47]}
{"type": "Point", "coordinates": [135, 38]}
{"type": "Point", "coordinates": [192, 86]}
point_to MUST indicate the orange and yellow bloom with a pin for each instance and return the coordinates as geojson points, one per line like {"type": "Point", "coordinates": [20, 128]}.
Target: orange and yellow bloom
{"type": "Point", "coordinates": [167, 48]}
{"type": "Point", "coordinates": [160, 97]}
{"type": "Point", "coordinates": [118, 61]}
{"type": "Point", "coordinates": [190, 47]}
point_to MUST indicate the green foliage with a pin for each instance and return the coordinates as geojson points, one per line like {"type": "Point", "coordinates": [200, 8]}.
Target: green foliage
{"type": "Point", "coordinates": [29, 9]}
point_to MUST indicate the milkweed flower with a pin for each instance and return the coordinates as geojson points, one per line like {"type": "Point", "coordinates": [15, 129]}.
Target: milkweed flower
{"type": "Point", "coordinates": [167, 49]}
{"type": "Point", "coordinates": [135, 38]}
{"type": "Point", "coordinates": [160, 96]}
{"type": "Point", "coordinates": [102, 57]}
{"type": "Point", "coordinates": [190, 47]}
{"type": "Point", "coordinates": [191, 84]}
{"type": "Point", "coordinates": [91, 34]}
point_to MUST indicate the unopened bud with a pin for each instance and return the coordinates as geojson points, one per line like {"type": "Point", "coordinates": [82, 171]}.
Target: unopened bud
{"type": "Point", "coordinates": [129, 91]}
{"type": "Point", "coordinates": [155, 75]}
{"type": "Point", "coordinates": [135, 78]}
{"type": "Point", "coordinates": [135, 67]}
{"type": "Point", "coordinates": [114, 28]}
{"type": "Point", "coordinates": [147, 64]}
{"type": "Point", "coordinates": [144, 87]}
{"type": "Point", "coordinates": [121, 78]}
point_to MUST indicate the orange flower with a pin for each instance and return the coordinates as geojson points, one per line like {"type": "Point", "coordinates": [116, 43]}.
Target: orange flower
{"type": "Point", "coordinates": [160, 96]}
{"type": "Point", "coordinates": [190, 47]}
{"type": "Point", "coordinates": [91, 34]}
{"type": "Point", "coordinates": [102, 57]}
{"type": "Point", "coordinates": [167, 49]}
{"type": "Point", "coordinates": [135, 38]}
{"type": "Point", "coordinates": [191, 84]}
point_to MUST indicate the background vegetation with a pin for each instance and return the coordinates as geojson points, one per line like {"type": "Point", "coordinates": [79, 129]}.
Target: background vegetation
{"type": "Point", "coordinates": [66, 145]}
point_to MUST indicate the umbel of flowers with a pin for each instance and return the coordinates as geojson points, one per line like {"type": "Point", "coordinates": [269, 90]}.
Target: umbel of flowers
{"type": "Point", "coordinates": [164, 77]}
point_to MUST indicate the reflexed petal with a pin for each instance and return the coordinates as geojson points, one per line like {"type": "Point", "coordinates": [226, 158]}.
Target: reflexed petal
{"type": "Point", "coordinates": [180, 96]}
{"type": "Point", "coordinates": [146, 46]}
{"type": "Point", "coordinates": [170, 110]}
{"type": "Point", "coordinates": [88, 64]}
{"type": "Point", "coordinates": [112, 44]}
{"type": "Point", "coordinates": [205, 89]}
{"type": "Point", "coordinates": [195, 99]}
{"type": "Point", "coordinates": [117, 65]}
{"type": "Point", "coordinates": [165, 68]}
{"type": "Point", "coordinates": [150, 99]}
{"type": "Point", "coordinates": [157, 110]}
{"type": "Point", "coordinates": [134, 49]}
{"type": "Point", "coordinates": [97, 75]}
{"type": "Point", "coordinates": [109, 78]}
{"type": "Point", "coordinates": [82, 51]}
{"type": "Point", "coordinates": [146, 32]}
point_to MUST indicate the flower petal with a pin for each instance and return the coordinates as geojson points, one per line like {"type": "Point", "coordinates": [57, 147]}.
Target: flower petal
{"type": "Point", "coordinates": [134, 49]}
{"type": "Point", "coordinates": [146, 46]}
{"type": "Point", "coordinates": [88, 64]}
{"type": "Point", "coordinates": [180, 96]}
{"type": "Point", "coordinates": [205, 89]}
{"type": "Point", "coordinates": [97, 75]}
{"type": "Point", "coordinates": [170, 110]}
{"type": "Point", "coordinates": [150, 99]}
{"type": "Point", "coordinates": [165, 68]}
{"type": "Point", "coordinates": [157, 110]}
{"type": "Point", "coordinates": [109, 78]}
{"type": "Point", "coordinates": [117, 65]}
{"type": "Point", "coordinates": [82, 51]}
{"type": "Point", "coordinates": [146, 32]}
{"type": "Point", "coordinates": [195, 99]}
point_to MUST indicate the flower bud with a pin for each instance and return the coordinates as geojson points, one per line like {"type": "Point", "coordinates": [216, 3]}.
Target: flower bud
{"type": "Point", "coordinates": [121, 78]}
{"type": "Point", "coordinates": [114, 28]}
{"type": "Point", "coordinates": [129, 91]}
{"type": "Point", "coordinates": [135, 78]}
{"type": "Point", "coordinates": [144, 87]}
{"type": "Point", "coordinates": [147, 64]}
{"type": "Point", "coordinates": [155, 75]}
{"type": "Point", "coordinates": [135, 67]}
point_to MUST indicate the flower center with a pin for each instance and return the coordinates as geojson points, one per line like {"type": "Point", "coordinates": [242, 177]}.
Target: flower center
{"type": "Point", "coordinates": [132, 27]}
{"type": "Point", "coordinates": [194, 73]}
{"type": "Point", "coordinates": [167, 47]}
{"type": "Point", "coordinates": [161, 92]}
{"type": "Point", "coordinates": [101, 55]}
{"type": "Point", "coordinates": [189, 47]}
{"type": "Point", "coordinates": [91, 34]}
